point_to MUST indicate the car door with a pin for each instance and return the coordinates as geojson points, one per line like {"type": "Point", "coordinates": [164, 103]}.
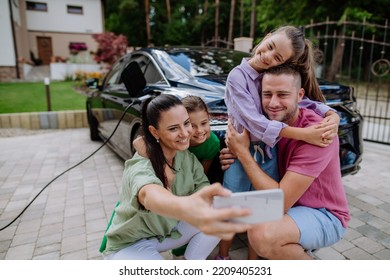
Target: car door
{"type": "Point", "coordinates": [115, 99]}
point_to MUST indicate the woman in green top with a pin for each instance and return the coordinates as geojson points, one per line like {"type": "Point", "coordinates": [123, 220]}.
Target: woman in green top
{"type": "Point", "coordinates": [162, 203]}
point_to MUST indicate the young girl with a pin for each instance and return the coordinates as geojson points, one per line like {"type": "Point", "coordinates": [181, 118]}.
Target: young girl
{"type": "Point", "coordinates": [285, 44]}
{"type": "Point", "coordinates": [163, 202]}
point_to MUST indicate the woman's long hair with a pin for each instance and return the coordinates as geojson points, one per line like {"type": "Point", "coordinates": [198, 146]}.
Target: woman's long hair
{"type": "Point", "coordinates": [304, 58]}
{"type": "Point", "coordinates": [151, 115]}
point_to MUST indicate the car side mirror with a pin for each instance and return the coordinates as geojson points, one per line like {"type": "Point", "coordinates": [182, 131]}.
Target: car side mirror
{"type": "Point", "coordinates": [134, 79]}
{"type": "Point", "coordinates": [92, 83]}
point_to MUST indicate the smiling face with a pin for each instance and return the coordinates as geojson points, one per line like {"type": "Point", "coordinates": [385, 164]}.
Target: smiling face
{"type": "Point", "coordinates": [280, 97]}
{"type": "Point", "coordinates": [174, 130]}
{"type": "Point", "coordinates": [201, 127]}
{"type": "Point", "coordinates": [275, 49]}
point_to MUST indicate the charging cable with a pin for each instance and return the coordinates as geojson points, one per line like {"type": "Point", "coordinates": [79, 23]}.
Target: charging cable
{"type": "Point", "coordinates": [137, 101]}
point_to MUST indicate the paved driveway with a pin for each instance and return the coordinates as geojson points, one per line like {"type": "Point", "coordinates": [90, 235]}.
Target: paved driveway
{"type": "Point", "coordinates": [68, 218]}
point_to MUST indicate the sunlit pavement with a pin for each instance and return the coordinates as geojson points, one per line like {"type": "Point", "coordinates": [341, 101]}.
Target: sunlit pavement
{"type": "Point", "coordinates": [68, 219]}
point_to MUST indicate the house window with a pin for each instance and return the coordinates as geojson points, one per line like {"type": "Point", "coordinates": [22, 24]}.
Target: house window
{"type": "Point", "coordinates": [76, 47]}
{"type": "Point", "coordinates": [78, 10]}
{"type": "Point", "coordinates": [36, 6]}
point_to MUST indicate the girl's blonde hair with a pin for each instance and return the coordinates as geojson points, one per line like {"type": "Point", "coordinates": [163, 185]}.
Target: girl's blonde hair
{"type": "Point", "coordinates": [304, 58]}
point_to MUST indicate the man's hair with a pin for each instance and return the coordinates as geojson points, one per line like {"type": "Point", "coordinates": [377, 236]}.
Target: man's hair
{"type": "Point", "coordinates": [286, 68]}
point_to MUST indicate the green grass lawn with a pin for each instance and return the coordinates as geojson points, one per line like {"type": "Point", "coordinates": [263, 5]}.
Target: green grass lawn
{"type": "Point", "coordinates": [31, 97]}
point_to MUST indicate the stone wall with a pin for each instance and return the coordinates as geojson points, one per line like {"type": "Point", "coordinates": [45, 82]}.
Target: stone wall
{"type": "Point", "coordinates": [45, 120]}
{"type": "Point", "coordinates": [7, 73]}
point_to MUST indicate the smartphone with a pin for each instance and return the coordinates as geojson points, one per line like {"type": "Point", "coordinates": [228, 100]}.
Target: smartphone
{"type": "Point", "coordinates": [266, 205]}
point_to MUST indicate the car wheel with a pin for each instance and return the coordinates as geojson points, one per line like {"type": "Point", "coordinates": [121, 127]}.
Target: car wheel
{"type": "Point", "coordinates": [93, 125]}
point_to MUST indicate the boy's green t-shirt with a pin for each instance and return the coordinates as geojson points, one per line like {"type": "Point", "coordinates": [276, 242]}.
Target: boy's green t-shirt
{"type": "Point", "coordinates": [208, 149]}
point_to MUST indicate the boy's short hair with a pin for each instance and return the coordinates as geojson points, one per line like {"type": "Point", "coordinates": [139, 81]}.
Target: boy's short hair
{"type": "Point", "coordinates": [194, 104]}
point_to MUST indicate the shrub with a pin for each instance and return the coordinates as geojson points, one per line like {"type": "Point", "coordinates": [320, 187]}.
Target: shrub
{"type": "Point", "coordinates": [111, 47]}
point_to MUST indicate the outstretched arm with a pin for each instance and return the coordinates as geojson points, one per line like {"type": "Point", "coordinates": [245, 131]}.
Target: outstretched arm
{"type": "Point", "coordinates": [195, 209]}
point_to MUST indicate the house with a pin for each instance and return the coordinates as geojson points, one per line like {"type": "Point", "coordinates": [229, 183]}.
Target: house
{"type": "Point", "coordinates": [38, 32]}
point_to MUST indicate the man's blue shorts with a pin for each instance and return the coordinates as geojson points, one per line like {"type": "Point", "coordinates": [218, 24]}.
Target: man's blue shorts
{"type": "Point", "coordinates": [235, 178]}
{"type": "Point", "coordinates": [318, 227]}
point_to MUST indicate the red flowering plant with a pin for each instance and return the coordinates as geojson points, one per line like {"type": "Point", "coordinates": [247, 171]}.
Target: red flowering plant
{"type": "Point", "coordinates": [76, 47]}
{"type": "Point", "coordinates": [111, 47]}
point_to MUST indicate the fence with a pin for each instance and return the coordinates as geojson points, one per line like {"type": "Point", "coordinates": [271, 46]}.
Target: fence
{"type": "Point", "coordinates": [356, 53]}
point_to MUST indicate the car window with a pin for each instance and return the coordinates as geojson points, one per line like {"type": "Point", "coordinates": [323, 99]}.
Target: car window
{"type": "Point", "coordinates": [113, 75]}
{"type": "Point", "coordinates": [151, 73]}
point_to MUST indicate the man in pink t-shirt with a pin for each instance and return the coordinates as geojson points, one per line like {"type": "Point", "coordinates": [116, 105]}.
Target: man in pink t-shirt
{"type": "Point", "coordinates": [316, 208]}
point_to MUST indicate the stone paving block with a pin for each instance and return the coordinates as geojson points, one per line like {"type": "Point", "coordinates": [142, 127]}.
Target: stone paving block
{"type": "Point", "coordinates": [368, 245]}
{"type": "Point", "coordinates": [358, 254]}
{"type": "Point", "coordinates": [96, 225]}
{"type": "Point", "coordinates": [74, 221]}
{"type": "Point", "coordinates": [380, 213]}
{"type": "Point", "coordinates": [93, 249]}
{"type": "Point", "coordinates": [22, 252]}
{"type": "Point", "coordinates": [24, 238]}
{"type": "Point", "coordinates": [61, 120]}
{"type": "Point", "coordinates": [74, 210]}
{"type": "Point", "coordinates": [329, 253]}
{"type": "Point", "coordinates": [15, 120]}
{"type": "Point", "coordinates": [78, 119]}
{"type": "Point", "coordinates": [73, 231]}
{"type": "Point", "coordinates": [70, 120]}
{"type": "Point", "coordinates": [385, 242]}
{"type": "Point", "coordinates": [44, 120]}
{"type": "Point", "coordinates": [9, 232]}
{"type": "Point", "coordinates": [93, 214]}
{"type": "Point", "coordinates": [52, 119]}
{"type": "Point", "coordinates": [351, 234]}
{"type": "Point", "coordinates": [34, 120]}
{"type": "Point", "coordinates": [371, 232]}
{"type": "Point", "coordinates": [25, 121]}
{"type": "Point", "coordinates": [95, 237]}
{"type": "Point", "coordinates": [73, 243]}
{"type": "Point", "coordinates": [49, 239]}
{"type": "Point", "coordinates": [5, 121]}
{"type": "Point", "coordinates": [378, 223]}
{"type": "Point", "coordinates": [50, 229]}
{"type": "Point", "coordinates": [49, 256]}
{"type": "Point", "coordinates": [78, 255]}
{"type": "Point", "coordinates": [52, 218]}
{"type": "Point", "coordinates": [355, 222]}
{"type": "Point", "coordinates": [47, 249]}
{"type": "Point", "coordinates": [383, 254]}
{"type": "Point", "coordinates": [360, 204]}
{"type": "Point", "coordinates": [370, 199]}
{"type": "Point", "coordinates": [4, 245]}
{"type": "Point", "coordinates": [342, 246]}
{"type": "Point", "coordinates": [29, 226]}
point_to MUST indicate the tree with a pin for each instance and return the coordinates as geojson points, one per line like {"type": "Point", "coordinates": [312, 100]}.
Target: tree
{"type": "Point", "coordinates": [110, 47]}
{"type": "Point", "coordinates": [253, 19]}
{"type": "Point", "coordinates": [124, 17]}
{"type": "Point", "coordinates": [216, 24]}
{"type": "Point", "coordinates": [195, 22]}
{"type": "Point", "coordinates": [231, 21]}
{"type": "Point", "coordinates": [147, 21]}
{"type": "Point", "coordinates": [168, 3]}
